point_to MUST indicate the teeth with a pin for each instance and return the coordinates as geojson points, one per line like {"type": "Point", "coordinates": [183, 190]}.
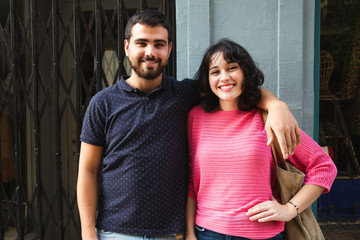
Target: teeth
{"type": "Point", "coordinates": [150, 62]}
{"type": "Point", "coordinates": [227, 86]}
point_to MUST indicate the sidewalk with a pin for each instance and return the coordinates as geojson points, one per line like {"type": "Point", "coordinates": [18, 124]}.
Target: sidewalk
{"type": "Point", "coordinates": [340, 230]}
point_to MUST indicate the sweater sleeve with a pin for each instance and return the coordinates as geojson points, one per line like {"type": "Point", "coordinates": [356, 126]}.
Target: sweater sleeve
{"type": "Point", "coordinates": [317, 165]}
{"type": "Point", "coordinates": [191, 192]}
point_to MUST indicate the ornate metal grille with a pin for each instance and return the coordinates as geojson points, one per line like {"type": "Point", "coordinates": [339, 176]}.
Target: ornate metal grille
{"type": "Point", "coordinates": [54, 56]}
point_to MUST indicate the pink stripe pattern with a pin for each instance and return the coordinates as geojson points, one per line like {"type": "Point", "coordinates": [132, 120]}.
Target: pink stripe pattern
{"type": "Point", "coordinates": [232, 169]}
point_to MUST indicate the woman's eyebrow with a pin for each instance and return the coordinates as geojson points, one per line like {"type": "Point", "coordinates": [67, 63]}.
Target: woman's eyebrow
{"type": "Point", "coordinates": [212, 67]}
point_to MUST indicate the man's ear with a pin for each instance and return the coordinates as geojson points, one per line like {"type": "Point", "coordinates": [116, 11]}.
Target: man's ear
{"type": "Point", "coordinates": [170, 47]}
{"type": "Point", "coordinates": [126, 47]}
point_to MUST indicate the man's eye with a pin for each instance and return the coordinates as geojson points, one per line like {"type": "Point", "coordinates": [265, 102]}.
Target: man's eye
{"type": "Point", "coordinates": [140, 43]}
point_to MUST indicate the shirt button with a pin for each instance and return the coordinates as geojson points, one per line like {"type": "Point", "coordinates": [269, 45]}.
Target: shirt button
{"type": "Point", "coordinates": [135, 90]}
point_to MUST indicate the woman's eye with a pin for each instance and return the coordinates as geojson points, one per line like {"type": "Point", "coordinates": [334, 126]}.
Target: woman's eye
{"type": "Point", "coordinates": [214, 72]}
{"type": "Point", "coordinates": [233, 68]}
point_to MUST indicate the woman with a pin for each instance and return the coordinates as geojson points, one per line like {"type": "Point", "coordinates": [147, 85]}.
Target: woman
{"type": "Point", "coordinates": [231, 167]}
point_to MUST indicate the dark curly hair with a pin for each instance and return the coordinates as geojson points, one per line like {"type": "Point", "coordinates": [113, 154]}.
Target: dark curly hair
{"type": "Point", "coordinates": [149, 17]}
{"type": "Point", "coordinates": [253, 77]}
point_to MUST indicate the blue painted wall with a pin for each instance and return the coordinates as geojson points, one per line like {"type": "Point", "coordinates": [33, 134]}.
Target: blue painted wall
{"type": "Point", "coordinates": [279, 34]}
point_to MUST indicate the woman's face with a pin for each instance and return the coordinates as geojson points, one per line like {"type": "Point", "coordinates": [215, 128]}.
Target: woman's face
{"type": "Point", "coordinates": [225, 80]}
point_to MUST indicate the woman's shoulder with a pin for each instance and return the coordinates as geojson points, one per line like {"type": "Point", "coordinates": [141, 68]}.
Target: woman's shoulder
{"type": "Point", "coordinates": [196, 112]}
{"type": "Point", "coordinates": [198, 109]}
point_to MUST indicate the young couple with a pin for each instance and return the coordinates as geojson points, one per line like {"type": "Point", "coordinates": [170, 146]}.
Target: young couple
{"type": "Point", "coordinates": [137, 131]}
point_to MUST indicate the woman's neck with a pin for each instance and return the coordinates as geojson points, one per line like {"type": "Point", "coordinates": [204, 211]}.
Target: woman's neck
{"type": "Point", "coordinates": [227, 106]}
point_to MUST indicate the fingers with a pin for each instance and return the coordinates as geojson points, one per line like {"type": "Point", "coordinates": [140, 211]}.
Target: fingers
{"type": "Point", "coordinates": [283, 143]}
{"type": "Point", "coordinates": [293, 142]}
{"type": "Point", "coordinates": [262, 217]}
{"type": "Point", "coordinates": [298, 135]}
{"type": "Point", "coordinates": [269, 134]}
{"type": "Point", "coordinates": [288, 140]}
{"type": "Point", "coordinates": [267, 211]}
{"type": "Point", "coordinates": [261, 207]}
{"type": "Point", "coordinates": [281, 139]}
{"type": "Point", "coordinates": [290, 145]}
{"type": "Point", "coordinates": [293, 139]}
{"type": "Point", "coordinates": [282, 126]}
{"type": "Point", "coordinates": [255, 210]}
{"type": "Point", "coordinates": [263, 212]}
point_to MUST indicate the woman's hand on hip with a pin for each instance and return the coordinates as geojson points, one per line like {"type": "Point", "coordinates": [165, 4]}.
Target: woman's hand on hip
{"type": "Point", "coordinates": [271, 211]}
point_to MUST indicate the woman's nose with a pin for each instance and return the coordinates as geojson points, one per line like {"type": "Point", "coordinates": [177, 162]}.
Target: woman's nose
{"type": "Point", "coordinates": [224, 76]}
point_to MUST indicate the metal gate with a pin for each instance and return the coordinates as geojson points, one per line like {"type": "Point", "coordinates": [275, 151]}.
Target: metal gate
{"type": "Point", "coordinates": [54, 56]}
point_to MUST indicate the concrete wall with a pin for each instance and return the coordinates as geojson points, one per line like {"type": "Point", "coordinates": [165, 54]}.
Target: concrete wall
{"type": "Point", "coordinates": [279, 34]}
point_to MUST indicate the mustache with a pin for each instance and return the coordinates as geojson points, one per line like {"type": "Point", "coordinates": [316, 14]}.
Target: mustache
{"type": "Point", "coordinates": [151, 59]}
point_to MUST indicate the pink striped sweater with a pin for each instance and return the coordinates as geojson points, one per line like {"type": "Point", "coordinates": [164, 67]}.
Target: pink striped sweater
{"type": "Point", "coordinates": [232, 169]}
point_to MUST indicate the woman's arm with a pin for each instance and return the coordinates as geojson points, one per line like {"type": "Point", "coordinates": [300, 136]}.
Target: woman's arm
{"type": "Point", "coordinates": [320, 172]}
{"type": "Point", "coordinates": [190, 219]}
{"type": "Point", "coordinates": [274, 211]}
{"type": "Point", "coordinates": [280, 122]}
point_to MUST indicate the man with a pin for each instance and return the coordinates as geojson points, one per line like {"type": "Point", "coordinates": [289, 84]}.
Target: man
{"type": "Point", "coordinates": [136, 130]}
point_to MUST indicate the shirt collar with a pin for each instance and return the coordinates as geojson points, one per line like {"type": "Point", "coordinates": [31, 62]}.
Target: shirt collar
{"type": "Point", "coordinates": [126, 87]}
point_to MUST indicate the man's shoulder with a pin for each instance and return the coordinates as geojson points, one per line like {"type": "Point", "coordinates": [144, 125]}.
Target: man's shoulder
{"type": "Point", "coordinates": [107, 91]}
{"type": "Point", "coordinates": [105, 97]}
{"type": "Point", "coordinates": [186, 87]}
{"type": "Point", "coordinates": [185, 81]}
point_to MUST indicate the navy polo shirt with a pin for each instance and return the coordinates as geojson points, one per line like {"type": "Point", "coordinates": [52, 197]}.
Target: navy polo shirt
{"type": "Point", "coordinates": [143, 189]}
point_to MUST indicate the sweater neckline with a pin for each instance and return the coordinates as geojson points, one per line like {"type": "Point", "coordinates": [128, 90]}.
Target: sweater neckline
{"type": "Point", "coordinates": [230, 112]}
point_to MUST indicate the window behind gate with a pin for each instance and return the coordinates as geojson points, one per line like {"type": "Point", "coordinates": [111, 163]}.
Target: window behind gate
{"type": "Point", "coordinates": [54, 56]}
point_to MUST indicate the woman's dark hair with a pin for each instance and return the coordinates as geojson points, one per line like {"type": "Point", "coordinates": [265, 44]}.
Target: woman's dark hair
{"type": "Point", "coordinates": [149, 17]}
{"type": "Point", "coordinates": [253, 77]}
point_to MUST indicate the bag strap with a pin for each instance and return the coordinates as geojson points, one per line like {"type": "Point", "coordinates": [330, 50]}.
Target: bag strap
{"type": "Point", "coordinates": [275, 147]}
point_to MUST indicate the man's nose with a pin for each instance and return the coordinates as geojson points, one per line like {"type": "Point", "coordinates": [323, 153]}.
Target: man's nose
{"type": "Point", "coordinates": [150, 51]}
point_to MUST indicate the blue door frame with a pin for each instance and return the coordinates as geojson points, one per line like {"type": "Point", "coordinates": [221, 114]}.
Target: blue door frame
{"type": "Point", "coordinates": [316, 80]}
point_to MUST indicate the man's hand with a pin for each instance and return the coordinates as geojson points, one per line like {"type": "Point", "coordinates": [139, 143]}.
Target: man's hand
{"type": "Point", "coordinates": [283, 124]}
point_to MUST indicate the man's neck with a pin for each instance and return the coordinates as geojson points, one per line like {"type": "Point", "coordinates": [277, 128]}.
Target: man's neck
{"type": "Point", "coordinates": [144, 85]}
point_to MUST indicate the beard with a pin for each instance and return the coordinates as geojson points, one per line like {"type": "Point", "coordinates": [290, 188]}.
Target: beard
{"type": "Point", "coordinates": [149, 73]}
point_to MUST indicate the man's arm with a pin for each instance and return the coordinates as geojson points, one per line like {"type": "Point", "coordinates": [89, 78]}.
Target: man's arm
{"type": "Point", "coordinates": [281, 122]}
{"type": "Point", "coordinates": [89, 162]}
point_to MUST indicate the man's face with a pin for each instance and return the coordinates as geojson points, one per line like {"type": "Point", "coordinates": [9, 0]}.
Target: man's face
{"type": "Point", "coordinates": [148, 50]}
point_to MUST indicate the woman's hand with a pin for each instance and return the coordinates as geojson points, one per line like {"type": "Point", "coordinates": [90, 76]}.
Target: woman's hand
{"type": "Point", "coordinates": [271, 211]}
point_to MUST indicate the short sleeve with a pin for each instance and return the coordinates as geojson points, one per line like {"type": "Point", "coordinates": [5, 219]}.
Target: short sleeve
{"type": "Point", "coordinates": [93, 129]}
{"type": "Point", "coordinates": [317, 165]}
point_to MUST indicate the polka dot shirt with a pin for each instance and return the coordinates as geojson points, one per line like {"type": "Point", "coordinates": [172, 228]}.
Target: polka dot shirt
{"type": "Point", "coordinates": [144, 177]}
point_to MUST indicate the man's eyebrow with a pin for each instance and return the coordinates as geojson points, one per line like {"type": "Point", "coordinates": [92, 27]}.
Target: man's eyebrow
{"type": "Point", "coordinates": [160, 40]}
{"type": "Point", "coordinates": [141, 40]}
{"type": "Point", "coordinates": [147, 40]}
